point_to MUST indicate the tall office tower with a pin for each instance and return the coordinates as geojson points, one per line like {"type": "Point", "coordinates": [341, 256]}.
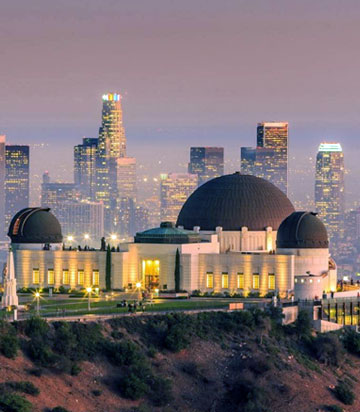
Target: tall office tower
{"type": "Point", "coordinates": [269, 159]}
{"type": "Point", "coordinates": [56, 195]}
{"type": "Point", "coordinates": [84, 221]}
{"type": "Point", "coordinates": [3, 228]}
{"type": "Point", "coordinates": [206, 162]}
{"type": "Point", "coordinates": [85, 166]}
{"type": "Point", "coordinates": [111, 147]}
{"type": "Point", "coordinates": [17, 161]}
{"type": "Point", "coordinates": [126, 177]}
{"type": "Point", "coordinates": [329, 188]}
{"type": "Point", "coordinates": [175, 188]}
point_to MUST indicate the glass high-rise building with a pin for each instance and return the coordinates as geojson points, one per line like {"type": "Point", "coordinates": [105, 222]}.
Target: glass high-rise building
{"type": "Point", "coordinates": [206, 162]}
{"type": "Point", "coordinates": [175, 188]}
{"type": "Point", "coordinates": [17, 161]}
{"type": "Point", "coordinates": [85, 167]}
{"type": "Point", "coordinates": [111, 147]}
{"type": "Point", "coordinates": [329, 188]}
{"type": "Point", "coordinates": [269, 159]}
{"type": "Point", "coordinates": [3, 228]}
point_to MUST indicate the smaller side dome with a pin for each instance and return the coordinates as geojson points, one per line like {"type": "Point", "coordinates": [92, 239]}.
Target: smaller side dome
{"type": "Point", "coordinates": [35, 225]}
{"type": "Point", "coordinates": [302, 230]}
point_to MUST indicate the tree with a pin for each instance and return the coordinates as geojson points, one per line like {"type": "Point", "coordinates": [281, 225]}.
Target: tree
{"type": "Point", "coordinates": [108, 268]}
{"type": "Point", "coordinates": [177, 271]}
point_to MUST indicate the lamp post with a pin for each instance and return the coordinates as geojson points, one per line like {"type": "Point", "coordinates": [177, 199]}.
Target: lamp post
{"type": "Point", "coordinates": [37, 297]}
{"type": "Point", "coordinates": [138, 287]}
{"type": "Point", "coordinates": [89, 290]}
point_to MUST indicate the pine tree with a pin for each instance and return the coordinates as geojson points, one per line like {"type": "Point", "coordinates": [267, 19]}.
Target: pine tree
{"type": "Point", "coordinates": [177, 271]}
{"type": "Point", "coordinates": [108, 268]}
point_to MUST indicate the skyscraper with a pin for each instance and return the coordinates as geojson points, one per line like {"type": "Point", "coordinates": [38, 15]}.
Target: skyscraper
{"type": "Point", "coordinates": [174, 191]}
{"type": "Point", "coordinates": [85, 167]}
{"type": "Point", "coordinates": [329, 187]}
{"type": "Point", "coordinates": [206, 162]}
{"type": "Point", "coordinates": [16, 180]}
{"type": "Point", "coordinates": [111, 147]}
{"type": "Point", "coordinates": [269, 159]}
{"type": "Point", "coordinates": [2, 187]}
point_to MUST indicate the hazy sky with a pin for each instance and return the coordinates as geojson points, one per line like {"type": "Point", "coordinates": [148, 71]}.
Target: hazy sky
{"type": "Point", "coordinates": [191, 72]}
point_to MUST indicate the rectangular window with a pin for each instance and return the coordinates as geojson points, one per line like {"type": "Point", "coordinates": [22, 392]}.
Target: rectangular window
{"type": "Point", "coordinates": [36, 276]}
{"type": "Point", "coordinates": [271, 281]}
{"type": "Point", "coordinates": [240, 281]}
{"type": "Point", "coordinates": [66, 277]}
{"type": "Point", "coordinates": [96, 278]}
{"type": "Point", "coordinates": [51, 276]}
{"type": "Point", "coordinates": [256, 281]}
{"type": "Point", "coordinates": [225, 281]}
{"type": "Point", "coordinates": [80, 279]}
{"type": "Point", "coordinates": [165, 287]}
{"type": "Point", "coordinates": [209, 280]}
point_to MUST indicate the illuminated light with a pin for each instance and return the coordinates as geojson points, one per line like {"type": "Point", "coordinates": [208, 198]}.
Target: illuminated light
{"type": "Point", "coordinates": [157, 262]}
{"type": "Point", "coordinates": [302, 280]}
{"type": "Point", "coordinates": [86, 236]}
{"type": "Point", "coordinates": [70, 238]}
{"type": "Point", "coordinates": [109, 97]}
{"type": "Point", "coordinates": [88, 290]}
{"type": "Point", "coordinates": [138, 285]}
{"type": "Point", "coordinates": [311, 281]}
{"type": "Point", "coordinates": [156, 290]}
{"type": "Point", "coordinates": [318, 280]}
{"type": "Point", "coordinates": [346, 278]}
{"type": "Point", "coordinates": [149, 262]}
{"type": "Point", "coordinates": [330, 147]}
{"type": "Point", "coordinates": [113, 236]}
{"type": "Point", "coordinates": [37, 294]}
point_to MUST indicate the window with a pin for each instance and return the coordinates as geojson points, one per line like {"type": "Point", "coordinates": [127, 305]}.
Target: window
{"type": "Point", "coordinates": [66, 277]}
{"type": "Point", "coordinates": [80, 279]}
{"type": "Point", "coordinates": [164, 287]}
{"type": "Point", "coordinates": [240, 281]}
{"type": "Point", "coordinates": [209, 280]}
{"type": "Point", "coordinates": [96, 278]}
{"type": "Point", "coordinates": [51, 276]}
{"type": "Point", "coordinates": [225, 281]}
{"type": "Point", "coordinates": [36, 276]}
{"type": "Point", "coordinates": [256, 281]}
{"type": "Point", "coordinates": [271, 281]}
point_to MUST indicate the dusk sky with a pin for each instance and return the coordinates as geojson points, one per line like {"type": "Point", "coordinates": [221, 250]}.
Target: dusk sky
{"type": "Point", "coordinates": [191, 72]}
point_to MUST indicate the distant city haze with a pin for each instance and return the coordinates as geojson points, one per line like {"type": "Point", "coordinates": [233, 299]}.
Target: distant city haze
{"type": "Point", "coordinates": [191, 73]}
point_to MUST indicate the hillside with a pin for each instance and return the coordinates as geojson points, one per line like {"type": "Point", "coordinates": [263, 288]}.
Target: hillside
{"type": "Point", "coordinates": [217, 361]}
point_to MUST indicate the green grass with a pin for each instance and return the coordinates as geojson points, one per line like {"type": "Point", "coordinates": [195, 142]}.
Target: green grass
{"type": "Point", "coordinates": [109, 307]}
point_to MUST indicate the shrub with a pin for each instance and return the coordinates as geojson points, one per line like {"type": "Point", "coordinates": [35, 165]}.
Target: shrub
{"type": "Point", "coordinates": [9, 343]}
{"type": "Point", "coordinates": [327, 349]}
{"type": "Point", "coordinates": [161, 393]}
{"type": "Point", "coordinates": [303, 324]}
{"type": "Point", "coordinates": [334, 408]}
{"type": "Point", "coordinates": [123, 353]}
{"type": "Point", "coordinates": [344, 393]}
{"type": "Point", "coordinates": [196, 293]}
{"type": "Point", "coordinates": [352, 342]}
{"type": "Point", "coordinates": [177, 338]}
{"type": "Point", "coordinates": [253, 295]}
{"type": "Point", "coordinates": [35, 372]}
{"type": "Point", "coordinates": [133, 386]}
{"type": "Point", "coordinates": [12, 402]}
{"type": "Point", "coordinates": [24, 387]}
{"type": "Point", "coordinates": [96, 392]}
{"type": "Point", "coordinates": [75, 369]}
{"type": "Point", "coordinates": [59, 409]}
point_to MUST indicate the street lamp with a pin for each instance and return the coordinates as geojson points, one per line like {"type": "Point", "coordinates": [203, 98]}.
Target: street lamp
{"type": "Point", "coordinates": [70, 238]}
{"type": "Point", "coordinates": [86, 236]}
{"type": "Point", "coordinates": [113, 236]}
{"type": "Point", "coordinates": [89, 290]}
{"type": "Point", "coordinates": [37, 297]}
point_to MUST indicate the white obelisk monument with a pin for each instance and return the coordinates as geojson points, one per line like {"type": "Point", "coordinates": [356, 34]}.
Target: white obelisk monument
{"type": "Point", "coordinates": [10, 297]}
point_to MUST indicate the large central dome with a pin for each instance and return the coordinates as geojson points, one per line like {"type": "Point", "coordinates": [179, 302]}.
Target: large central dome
{"type": "Point", "coordinates": [233, 201]}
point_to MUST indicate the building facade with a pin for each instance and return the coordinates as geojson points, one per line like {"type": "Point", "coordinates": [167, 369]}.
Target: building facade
{"type": "Point", "coordinates": [85, 167]}
{"type": "Point", "coordinates": [329, 188]}
{"type": "Point", "coordinates": [206, 163]}
{"type": "Point", "coordinates": [175, 188]}
{"type": "Point", "coordinates": [17, 164]}
{"type": "Point", "coordinates": [2, 187]}
{"type": "Point", "coordinates": [269, 160]}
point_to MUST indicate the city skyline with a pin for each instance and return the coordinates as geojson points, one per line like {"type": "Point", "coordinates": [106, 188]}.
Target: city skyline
{"type": "Point", "coordinates": [210, 102]}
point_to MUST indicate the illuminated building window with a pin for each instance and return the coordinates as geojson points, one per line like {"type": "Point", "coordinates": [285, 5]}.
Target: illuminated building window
{"type": "Point", "coordinates": [271, 281]}
{"type": "Point", "coordinates": [240, 281]}
{"type": "Point", "coordinates": [256, 281]}
{"type": "Point", "coordinates": [151, 273]}
{"type": "Point", "coordinates": [96, 278]}
{"type": "Point", "coordinates": [80, 280]}
{"type": "Point", "coordinates": [51, 276]}
{"type": "Point", "coordinates": [296, 280]}
{"type": "Point", "coordinates": [36, 276]}
{"type": "Point", "coordinates": [65, 277]}
{"type": "Point", "coordinates": [209, 280]}
{"type": "Point", "coordinates": [225, 281]}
